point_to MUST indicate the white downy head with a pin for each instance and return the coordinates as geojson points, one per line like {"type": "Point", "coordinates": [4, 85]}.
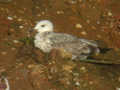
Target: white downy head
{"type": "Point", "coordinates": [44, 26]}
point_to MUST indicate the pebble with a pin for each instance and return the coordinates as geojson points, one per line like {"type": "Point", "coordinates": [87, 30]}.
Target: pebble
{"type": "Point", "coordinates": [12, 30]}
{"type": "Point", "coordinates": [37, 7]}
{"type": "Point", "coordinates": [77, 83]}
{"type": "Point", "coordinates": [98, 22]}
{"type": "Point", "coordinates": [68, 82]}
{"type": "Point", "coordinates": [72, 1]}
{"type": "Point", "coordinates": [13, 48]}
{"type": "Point", "coordinates": [17, 78]}
{"type": "Point", "coordinates": [84, 33]}
{"type": "Point", "coordinates": [2, 70]}
{"type": "Point", "coordinates": [99, 36]}
{"type": "Point", "coordinates": [90, 82]}
{"type": "Point", "coordinates": [31, 66]}
{"type": "Point", "coordinates": [19, 19]}
{"type": "Point", "coordinates": [78, 25]}
{"type": "Point", "coordinates": [39, 15]}
{"type": "Point", "coordinates": [88, 21]}
{"type": "Point", "coordinates": [9, 18]}
{"type": "Point", "coordinates": [43, 13]}
{"type": "Point", "coordinates": [60, 12]}
{"type": "Point", "coordinates": [4, 53]}
{"type": "Point", "coordinates": [67, 68]}
{"type": "Point", "coordinates": [20, 64]}
{"type": "Point", "coordinates": [80, 0]}
{"type": "Point", "coordinates": [93, 27]}
{"type": "Point", "coordinates": [14, 16]}
{"type": "Point", "coordinates": [83, 69]}
{"type": "Point", "coordinates": [109, 14]}
{"type": "Point", "coordinates": [21, 27]}
{"type": "Point", "coordinates": [15, 41]}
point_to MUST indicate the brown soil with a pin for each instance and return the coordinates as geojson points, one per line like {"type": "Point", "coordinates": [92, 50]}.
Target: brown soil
{"type": "Point", "coordinates": [28, 68]}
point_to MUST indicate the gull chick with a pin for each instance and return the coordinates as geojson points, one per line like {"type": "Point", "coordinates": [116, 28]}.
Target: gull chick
{"type": "Point", "coordinates": [46, 40]}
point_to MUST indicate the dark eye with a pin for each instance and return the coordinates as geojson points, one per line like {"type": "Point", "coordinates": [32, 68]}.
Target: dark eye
{"type": "Point", "coordinates": [42, 25]}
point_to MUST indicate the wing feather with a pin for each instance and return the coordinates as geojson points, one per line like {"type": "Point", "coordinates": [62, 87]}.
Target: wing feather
{"type": "Point", "coordinates": [57, 38]}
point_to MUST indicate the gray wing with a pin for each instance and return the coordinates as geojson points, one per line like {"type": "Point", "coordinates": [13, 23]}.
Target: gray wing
{"type": "Point", "coordinates": [89, 42]}
{"type": "Point", "coordinates": [57, 38]}
{"type": "Point", "coordinates": [78, 48]}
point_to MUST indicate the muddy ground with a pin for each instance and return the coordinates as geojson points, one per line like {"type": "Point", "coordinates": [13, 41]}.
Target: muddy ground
{"type": "Point", "coordinates": [28, 68]}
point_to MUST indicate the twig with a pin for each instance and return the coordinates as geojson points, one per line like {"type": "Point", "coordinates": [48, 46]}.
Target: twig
{"type": "Point", "coordinates": [99, 61]}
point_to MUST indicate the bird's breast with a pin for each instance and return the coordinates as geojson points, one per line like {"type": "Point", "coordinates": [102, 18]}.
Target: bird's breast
{"type": "Point", "coordinates": [42, 43]}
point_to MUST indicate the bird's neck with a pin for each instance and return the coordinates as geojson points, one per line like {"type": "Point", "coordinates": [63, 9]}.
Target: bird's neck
{"type": "Point", "coordinates": [43, 34]}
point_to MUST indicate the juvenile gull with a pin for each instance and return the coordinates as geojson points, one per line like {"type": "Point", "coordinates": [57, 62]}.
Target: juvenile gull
{"type": "Point", "coordinates": [46, 40]}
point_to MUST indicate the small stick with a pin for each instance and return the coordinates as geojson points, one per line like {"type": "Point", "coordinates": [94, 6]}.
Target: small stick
{"type": "Point", "coordinates": [99, 61]}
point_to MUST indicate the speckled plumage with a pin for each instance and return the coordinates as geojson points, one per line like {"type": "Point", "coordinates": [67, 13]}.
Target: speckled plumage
{"type": "Point", "coordinates": [46, 40]}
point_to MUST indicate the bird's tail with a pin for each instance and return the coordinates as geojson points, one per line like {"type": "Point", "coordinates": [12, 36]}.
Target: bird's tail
{"type": "Point", "coordinates": [94, 50]}
{"type": "Point", "coordinates": [97, 50]}
{"type": "Point", "coordinates": [104, 50]}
